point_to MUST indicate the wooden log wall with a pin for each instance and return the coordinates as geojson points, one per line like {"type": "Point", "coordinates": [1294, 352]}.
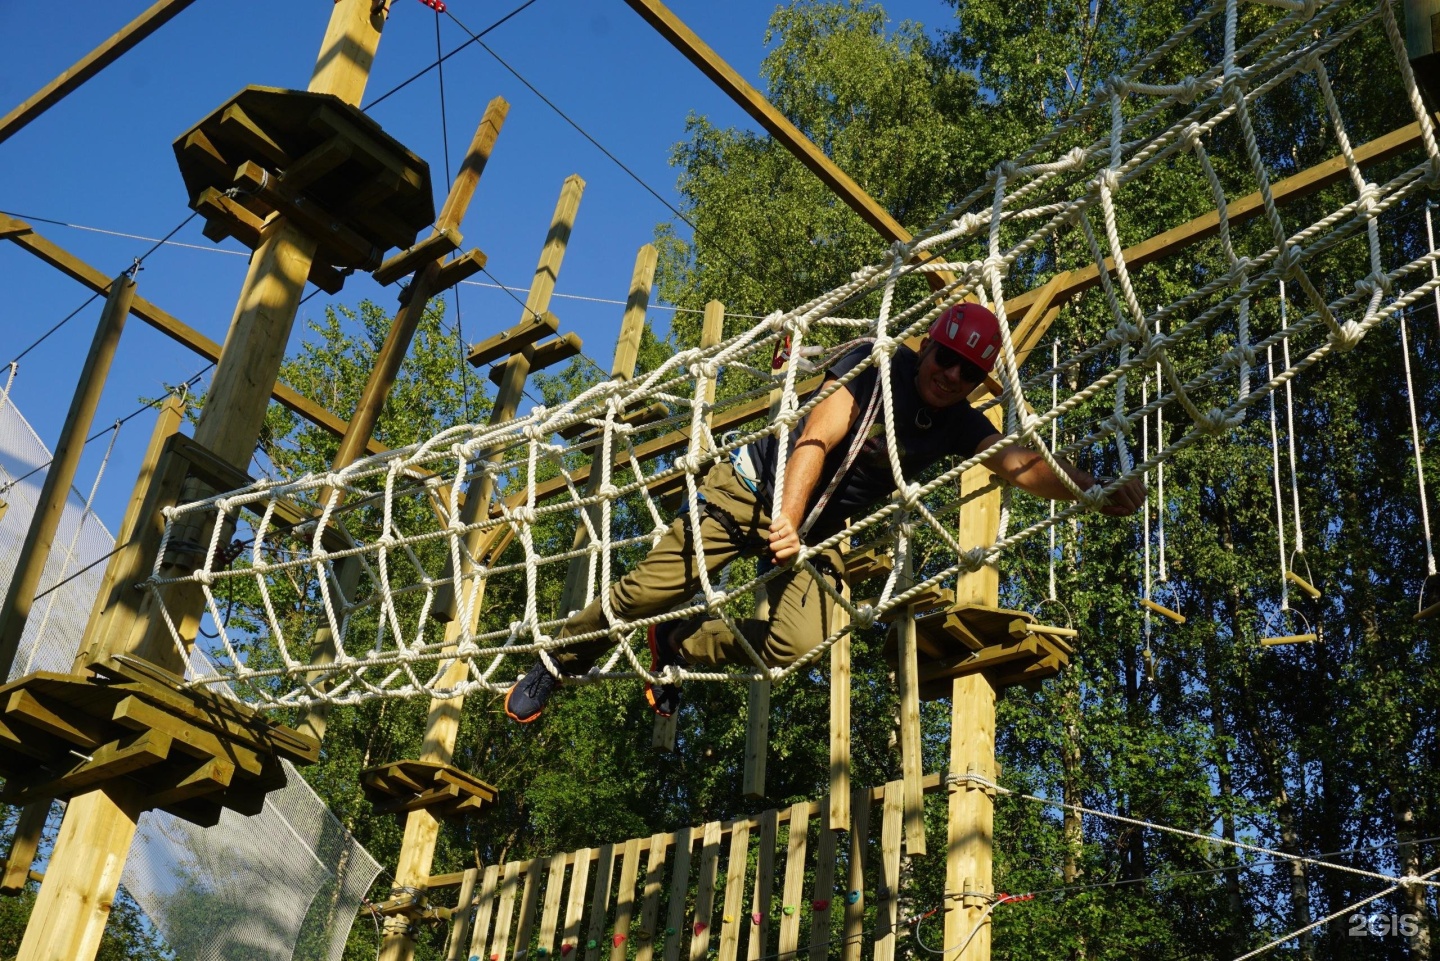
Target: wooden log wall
{"type": "Point", "coordinates": [778, 886]}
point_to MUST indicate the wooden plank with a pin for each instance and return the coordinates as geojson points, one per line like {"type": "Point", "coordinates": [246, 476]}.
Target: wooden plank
{"type": "Point", "coordinates": [911, 762]}
{"type": "Point", "coordinates": [791, 905]}
{"type": "Point", "coordinates": [113, 760]}
{"type": "Point", "coordinates": [839, 799]}
{"type": "Point", "coordinates": [505, 915]}
{"type": "Point", "coordinates": [23, 236]}
{"type": "Point", "coordinates": [484, 908]}
{"type": "Point", "coordinates": [440, 243]}
{"type": "Point", "coordinates": [679, 888]}
{"type": "Point", "coordinates": [855, 875]}
{"type": "Point", "coordinates": [57, 719]}
{"type": "Point", "coordinates": [705, 893]}
{"type": "Point", "coordinates": [575, 907]}
{"type": "Point", "coordinates": [735, 869]}
{"type": "Point", "coordinates": [550, 913]}
{"type": "Point", "coordinates": [24, 845]}
{"type": "Point", "coordinates": [461, 918]}
{"type": "Point", "coordinates": [237, 126]}
{"type": "Point", "coordinates": [887, 891]}
{"type": "Point", "coordinates": [757, 737]}
{"type": "Point", "coordinates": [529, 901]}
{"type": "Point", "coordinates": [650, 909]}
{"type": "Point", "coordinates": [196, 780]}
{"type": "Point", "coordinates": [514, 340]}
{"type": "Point", "coordinates": [315, 164]}
{"type": "Point", "coordinates": [464, 267]}
{"type": "Point", "coordinates": [600, 901]}
{"type": "Point", "coordinates": [552, 352]}
{"type": "Point", "coordinates": [764, 890]}
{"type": "Point", "coordinates": [153, 18]}
{"type": "Point", "coordinates": [822, 897]}
{"type": "Point", "coordinates": [625, 900]}
{"type": "Point", "coordinates": [971, 810]}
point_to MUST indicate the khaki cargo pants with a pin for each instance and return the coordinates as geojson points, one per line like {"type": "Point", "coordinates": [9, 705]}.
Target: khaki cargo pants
{"type": "Point", "coordinates": [801, 613]}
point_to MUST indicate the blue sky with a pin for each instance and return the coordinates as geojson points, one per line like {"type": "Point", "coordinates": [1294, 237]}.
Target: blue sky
{"type": "Point", "coordinates": [102, 158]}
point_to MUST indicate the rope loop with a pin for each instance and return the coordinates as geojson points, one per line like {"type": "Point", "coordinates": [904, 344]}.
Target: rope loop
{"type": "Point", "coordinates": [1291, 257]}
{"type": "Point", "coordinates": [1075, 158]}
{"type": "Point", "coordinates": [863, 617]}
{"type": "Point", "coordinates": [1213, 423]}
{"type": "Point", "coordinates": [1191, 135]}
{"type": "Point", "coordinates": [1190, 88]}
{"type": "Point", "coordinates": [1109, 178]}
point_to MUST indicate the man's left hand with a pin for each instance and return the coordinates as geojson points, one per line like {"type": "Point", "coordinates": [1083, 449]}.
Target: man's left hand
{"type": "Point", "coordinates": [1126, 499]}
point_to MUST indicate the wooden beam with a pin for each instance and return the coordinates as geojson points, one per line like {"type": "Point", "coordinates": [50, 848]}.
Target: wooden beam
{"type": "Point", "coordinates": [24, 236]}
{"type": "Point", "coordinates": [155, 17]}
{"type": "Point", "coordinates": [724, 76]}
{"type": "Point", "coordinates": [1239, 211]}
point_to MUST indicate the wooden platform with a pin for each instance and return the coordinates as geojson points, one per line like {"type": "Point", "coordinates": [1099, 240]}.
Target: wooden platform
{"type": "Point", "coordinates": [445, 790]}
{"type": "Point", "coordinates": [319, 162]}
{"type": "Point", "coordinates": [195, 752]}
{"type": "Point", "coordinates": [1009, 647]}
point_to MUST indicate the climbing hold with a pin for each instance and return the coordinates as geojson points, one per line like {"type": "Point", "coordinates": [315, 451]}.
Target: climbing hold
{"type": "Point", "coordinates": [437, 5]}
{"type": "Point", "coordinates": [669, 930]}
{"type": "Point", "coordinates": [853, 897]}
{"type": "Point", "coordinates": [728, 919]}
{"type": "Point", "coordinates": [700, 926]}
{"type": "Point", "coordinates": [789, 910]}
{"type": "Point", "coordinates": [820, 905]}
{"type": "Point", "coordinates": [617, 939]}
{"type": "Point", "coordinates": [756, 917]}
{"type": "Point", "coordinates": [541, 952]}
{"type": "Point", "coordinates": [592, 944]}
{"type": "Point", "coordinates": [566, 948]}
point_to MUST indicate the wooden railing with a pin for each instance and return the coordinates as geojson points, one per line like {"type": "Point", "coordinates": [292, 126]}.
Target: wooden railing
{"type": "Point", "coordinates": [773, 887]}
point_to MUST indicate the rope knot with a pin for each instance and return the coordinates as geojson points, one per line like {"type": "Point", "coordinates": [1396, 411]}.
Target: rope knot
{"type": "Point", "coordinates": [1190, 88]}
{"type": "Point", "coordinates": [523, 515]}
{"type": "Point", "coordinates": [973, 559]}
{"type": "Point", "coordinates": [1075, 157]}
{"type": "Point", "coordinates": [967, 223]}
{"type": "Point", "coordinates": [910, 497]}
{"type": "Point", "coordinates": [863, 618]}
{"type": "Point", "coordinates": [1349, 334]}
{"type": "Point", "coordinates": [1290, 259]}
{"type": "Point", "coordinates": [1369, 195]}
{"type": "Point", "coordinates": [203, 577]}
{"type": "Point", "coordinates": [1095, 497]}
{"type": "Point", "coordinates": [1110, 179]}
{"type": "Point", "coordinates": [1367, 285]}
{"type": "Point", "coordinates": [608, 491]}
{"type": "Point", "coordinates": [1191, 134]}
{"type": "Point", "coordinates": [1214, 422]}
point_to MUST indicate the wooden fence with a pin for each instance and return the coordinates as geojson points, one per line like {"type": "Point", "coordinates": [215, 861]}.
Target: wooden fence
{"type": "Point", "coordinates": [778, 886]}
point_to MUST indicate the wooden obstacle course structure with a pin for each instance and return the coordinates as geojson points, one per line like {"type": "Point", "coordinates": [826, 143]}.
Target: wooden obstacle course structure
{"type": "Point", "coordinates": [403, 786]}
{"type": "Point", "coordinates": [322, 164]}
{"type": "Point", "coordinates": [195, 752]}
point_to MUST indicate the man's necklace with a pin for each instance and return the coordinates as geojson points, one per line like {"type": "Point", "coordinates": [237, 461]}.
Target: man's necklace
{"type": "Point", "coordinates": [923, 420]}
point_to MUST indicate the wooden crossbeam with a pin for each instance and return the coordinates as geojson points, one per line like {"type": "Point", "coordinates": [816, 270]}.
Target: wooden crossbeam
{"type": "Point", "coordinates": [153, 18]}
{"type": "Point", "coordinates": [24, 236]}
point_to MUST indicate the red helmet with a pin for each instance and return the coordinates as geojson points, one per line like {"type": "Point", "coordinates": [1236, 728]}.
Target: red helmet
{"type": "Point", "coordinates": [970, 330]}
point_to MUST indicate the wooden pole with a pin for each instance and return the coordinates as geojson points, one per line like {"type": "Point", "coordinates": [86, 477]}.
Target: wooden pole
{"type": "Point", "coordinates": [969, 855]}
{"type": "Point", "coordinates": [159, 14]}
{"type": "Point", "coordinates": [908, 677]}
{"type": "Point", "coordinates": [28, 828]}
{"type": "Point", "coordinates": [387, 365]}
{"type": "Point", "coordinates": [80, 881]}
{"type": "Point", "coordinates": [60, 475]}
{"type": "Point", "coordinates": [627, 353]}
{"type": "Point", "coordinates": [712, 331]}
{"type": "Point", "coordinates": [442, 726]}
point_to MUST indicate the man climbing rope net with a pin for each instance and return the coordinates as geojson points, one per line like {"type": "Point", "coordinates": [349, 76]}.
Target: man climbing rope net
{"type": "Point", "coordinates": [843, 440]}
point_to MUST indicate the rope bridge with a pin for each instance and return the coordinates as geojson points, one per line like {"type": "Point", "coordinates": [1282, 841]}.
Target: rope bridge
{"type": "Point", "coordinates": [387, 568]}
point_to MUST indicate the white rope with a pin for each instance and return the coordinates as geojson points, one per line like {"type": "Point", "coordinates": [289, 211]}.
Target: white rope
{"type": "Point", "coordinates": [1419, 450]}
{"type": "Point", "coordinates": [1279, 501]}
{"type": "Point", "coordinates": [1290, 424]}
{"type": "Point", "coordinates": [1136, 123]}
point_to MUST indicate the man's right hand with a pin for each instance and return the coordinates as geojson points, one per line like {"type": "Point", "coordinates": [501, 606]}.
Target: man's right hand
{"type": "Point", "coordinates": [784, 541]}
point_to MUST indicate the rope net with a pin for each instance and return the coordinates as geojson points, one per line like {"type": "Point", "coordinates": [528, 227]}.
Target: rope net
{"type": "Point", "coordinates": [393, 578]}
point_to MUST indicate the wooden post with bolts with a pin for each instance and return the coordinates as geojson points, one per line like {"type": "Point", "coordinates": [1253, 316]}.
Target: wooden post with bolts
{"type": "Point", "coordinates": [712, 331]}
{"type": "Point", "coordinates": [627, 353]}
{"type": "Point", "coordinates": [391, 356]}
{"type": "Point", "coordinates": [60, 475]}
{"type": "Point", "coordinates": [422, 826]}
{"type": "Point", "coordinates": [80, 882]}
{"type": "Point", "coordinates": [969, 863]}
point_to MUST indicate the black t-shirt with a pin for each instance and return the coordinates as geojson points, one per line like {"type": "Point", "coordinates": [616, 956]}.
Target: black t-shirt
{"type": "Point", "coordinates": [955, 430]}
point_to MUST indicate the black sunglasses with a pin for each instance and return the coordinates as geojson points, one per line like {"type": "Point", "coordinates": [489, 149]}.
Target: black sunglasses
{"type": "Point", "coordinates": [946, 357]}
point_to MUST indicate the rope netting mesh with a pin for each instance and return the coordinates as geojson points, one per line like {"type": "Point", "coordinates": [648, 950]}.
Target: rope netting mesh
{"type": "Point", "coordinates": [393, 577]}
